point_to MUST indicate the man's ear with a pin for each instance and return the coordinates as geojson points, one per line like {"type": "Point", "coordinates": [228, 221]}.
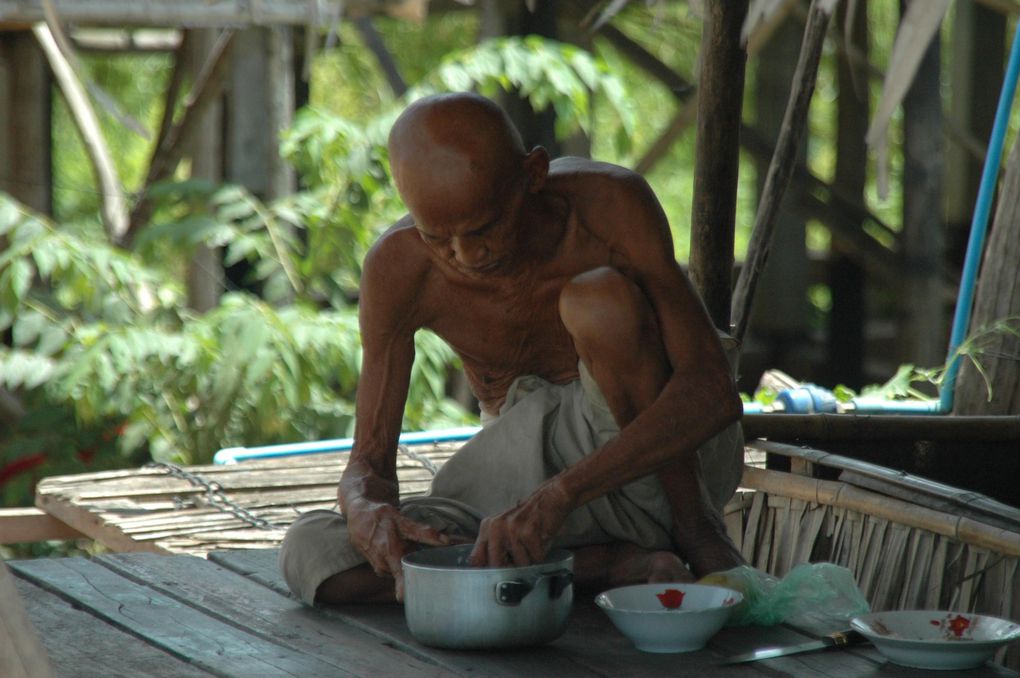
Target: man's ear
{"type": "Point", "coordinates": [536, 167]}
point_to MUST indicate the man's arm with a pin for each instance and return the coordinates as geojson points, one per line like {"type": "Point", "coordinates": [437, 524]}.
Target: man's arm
{"type": "Point", "coordinates": [368, 492]}
{"type": "Point", "coordinates": [698, 401]}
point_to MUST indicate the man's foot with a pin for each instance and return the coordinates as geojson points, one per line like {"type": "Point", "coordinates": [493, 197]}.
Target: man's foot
{"type": "Point", "coordinates": [621, 564]}
{"type": "Point", "coordinates": [708, 550]}
{"type": "Point", "coordinates": [357, 585]}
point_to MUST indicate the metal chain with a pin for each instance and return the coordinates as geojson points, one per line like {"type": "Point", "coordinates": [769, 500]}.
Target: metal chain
{"type": "Point", "coordinates": [429, 465]}
{"type": "Point", "coordinates": [214, 495]}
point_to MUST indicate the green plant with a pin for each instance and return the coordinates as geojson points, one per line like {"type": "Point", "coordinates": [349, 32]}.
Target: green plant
{"type": "Point", "coordinates": [113, 367]}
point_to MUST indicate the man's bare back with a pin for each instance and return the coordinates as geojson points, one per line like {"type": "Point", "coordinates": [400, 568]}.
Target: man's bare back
{"type": "Point", "coordinates": [526, 267]}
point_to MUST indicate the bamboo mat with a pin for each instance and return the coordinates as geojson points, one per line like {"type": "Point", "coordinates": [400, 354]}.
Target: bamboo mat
{"type": "Point", "coordinates": [250, 505]}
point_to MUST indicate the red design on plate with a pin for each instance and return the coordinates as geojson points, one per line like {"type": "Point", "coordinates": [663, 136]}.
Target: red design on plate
{"type": "Point", "coordinates": [671, 598]}
{"type": "Point", "coordinates": [958, 625]}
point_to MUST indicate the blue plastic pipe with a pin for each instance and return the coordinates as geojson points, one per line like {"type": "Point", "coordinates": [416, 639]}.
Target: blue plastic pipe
{"type": "Point", "coordinates": [979, 226]}
{"type": "Point", "coordinates": [232, 455]}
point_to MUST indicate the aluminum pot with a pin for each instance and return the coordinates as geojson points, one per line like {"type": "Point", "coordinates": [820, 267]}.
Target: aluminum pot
{"type": "Point", "coordinates": [449, 603]}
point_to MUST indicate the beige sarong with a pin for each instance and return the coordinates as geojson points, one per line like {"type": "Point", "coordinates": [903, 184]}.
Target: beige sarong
{"type": "Point", "coordinates": [542, 429]}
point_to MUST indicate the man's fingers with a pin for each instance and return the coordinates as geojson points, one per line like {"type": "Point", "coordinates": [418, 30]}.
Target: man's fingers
{"type": "Point", "coordinates": [479, 554]}
{"type": "Point", "coordinates": [398, 590]}
{"type": "Point", "coordinates": [422, 534]}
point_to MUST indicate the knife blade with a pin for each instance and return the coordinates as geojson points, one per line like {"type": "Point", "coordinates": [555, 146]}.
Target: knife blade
{"type": "Point", "coordinates": [838, 639]}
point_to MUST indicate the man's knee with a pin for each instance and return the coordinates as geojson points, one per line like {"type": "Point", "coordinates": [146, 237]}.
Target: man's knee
{"type": "Point", "coordinates": [603, 305]}
{"type": "Point", "coordinates": [314, 548]}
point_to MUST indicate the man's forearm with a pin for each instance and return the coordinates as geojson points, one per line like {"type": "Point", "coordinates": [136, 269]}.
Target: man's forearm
{"type": "Point", "coordinates": [671, 430]}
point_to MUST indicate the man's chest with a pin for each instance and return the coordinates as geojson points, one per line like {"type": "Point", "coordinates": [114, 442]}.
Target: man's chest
{"type": "Point", "coordinates": [517, 326]}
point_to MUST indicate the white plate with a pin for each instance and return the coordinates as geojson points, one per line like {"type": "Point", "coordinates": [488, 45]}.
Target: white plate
{"type": "Point", "coordinates": [932, 639]}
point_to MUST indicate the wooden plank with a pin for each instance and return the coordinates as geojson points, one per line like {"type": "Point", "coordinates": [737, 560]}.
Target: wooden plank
{"type": "Point", "coordinates": [224, 594]}
{"type": "Point", "coordinates": [194, 13]}
{"type": "Point", "coordinates": [184, 632]}
{"type": "Point", "coordinates": [819, 427]}
{"type": "Point", "coordinates": [590, 641]}
{"type": "Point", "coordinates": [21, 653]}
{"type": "Point", "coordinates": [80, 645]}
{"type": "Point", "coordinates": [26, 524]}
{"type": "Point", "coordinates": [387, 622]}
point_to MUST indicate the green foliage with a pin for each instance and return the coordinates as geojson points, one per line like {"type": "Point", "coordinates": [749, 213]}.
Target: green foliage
{"type": "Point", "coordinates": [902, 384]}
{"type": "Point", "coordinates": [102, 347]}
{"type": "Point", "coordinates": [985, 341]}
{"type": "Point", "coordinates": [115, 370]}
{"type": "Point", "coordinates": [546, 72]}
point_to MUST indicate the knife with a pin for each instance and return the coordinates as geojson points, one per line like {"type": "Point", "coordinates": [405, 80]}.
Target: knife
{"type": "Point", "coordinates": [838, 639]}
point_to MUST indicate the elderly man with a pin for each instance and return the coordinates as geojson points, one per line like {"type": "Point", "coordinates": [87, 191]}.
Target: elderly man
{"type": "Point", "coordinates": [598, 373]}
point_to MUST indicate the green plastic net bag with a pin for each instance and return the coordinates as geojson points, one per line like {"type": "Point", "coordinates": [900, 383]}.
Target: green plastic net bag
{"type": "Point", "coordinates": [822, 597]}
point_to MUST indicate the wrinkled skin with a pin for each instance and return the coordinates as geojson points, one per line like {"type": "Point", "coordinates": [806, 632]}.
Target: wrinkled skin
{"type": "Point", "coordinates": [524, 266]}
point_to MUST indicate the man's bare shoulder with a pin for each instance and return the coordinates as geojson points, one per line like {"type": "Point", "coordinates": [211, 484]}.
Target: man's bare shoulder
{"type": "Point", "coordinates": [395, 268]}
{"type": "Point", "coordinates": [397, 252]}
{"type": "Point", "coordinates": [609, 200]}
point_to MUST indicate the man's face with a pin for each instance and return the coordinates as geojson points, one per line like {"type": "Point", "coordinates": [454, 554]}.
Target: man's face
{"type": "Point", "coordinates": [474, 228]}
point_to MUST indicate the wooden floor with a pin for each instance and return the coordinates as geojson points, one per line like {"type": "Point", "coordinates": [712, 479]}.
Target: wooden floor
{"type": "Point", "coordinates": [195, 590]}
{"type": "Point", "coordinates": [152, 615]}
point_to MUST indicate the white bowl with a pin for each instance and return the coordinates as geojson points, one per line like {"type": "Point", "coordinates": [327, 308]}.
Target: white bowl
{"type": "Point", "coordinates": [931, 639]}
{"type": "Point", "coordinates": [639, 614]}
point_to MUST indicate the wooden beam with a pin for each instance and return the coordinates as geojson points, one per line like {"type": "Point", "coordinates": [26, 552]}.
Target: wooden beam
{"type": "Point", "coordinates": [202, 13]}
{"type": "Point", "coordinates": [783, 162]}
{"type": "Point", "coordinates": [858, 427]}
{"type": "Point", "coordinates": [841, 495]}
{"type": "Point", "coordinates": [27, 524]}
{"type": "Point", "coordinates": [717, 158]}
{"type": "Point", "coordinates": [113, 203]}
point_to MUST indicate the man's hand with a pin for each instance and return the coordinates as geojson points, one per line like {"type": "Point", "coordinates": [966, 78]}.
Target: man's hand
{"type": "Point", "coordinates": [522, 535]}
{"type": "Point", "coordinates": [383, 536]}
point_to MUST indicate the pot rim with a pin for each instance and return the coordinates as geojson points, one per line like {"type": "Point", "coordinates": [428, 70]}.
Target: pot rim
{"type": "Point", "coordinates": [557, 557]}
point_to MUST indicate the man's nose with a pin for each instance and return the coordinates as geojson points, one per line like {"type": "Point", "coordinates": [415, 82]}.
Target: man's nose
{"type": "Point", "coordinates": [469, 251]}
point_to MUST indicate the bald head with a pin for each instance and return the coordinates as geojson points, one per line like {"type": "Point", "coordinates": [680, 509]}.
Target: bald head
{"type": "Point", "coordinates": [451, 143]}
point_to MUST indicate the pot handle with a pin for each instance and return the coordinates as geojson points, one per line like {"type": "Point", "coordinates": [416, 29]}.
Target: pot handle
{"type": "Point", "coordinates": [513, 592]}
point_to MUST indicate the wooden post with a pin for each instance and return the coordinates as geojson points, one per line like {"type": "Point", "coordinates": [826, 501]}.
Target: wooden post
{"type": "Point", "coordinates": [923, 316]}
{"type": "Point", "coordinates": [847, 280]}
{"type": "Point", "coordinates": [205, 270]}
{"type": "Point", "coordinates": [996, 389]}
{"type": "Point", "coordinates": [780, 315]}
{"type": "Point", "coordinates": [717, 161]}
{"type": "Point", "coordinates": [783, 162]}
{"type": "Point", "coordinates": [25, 139]}
{"type": "Point", "coordinates": [976, 71]}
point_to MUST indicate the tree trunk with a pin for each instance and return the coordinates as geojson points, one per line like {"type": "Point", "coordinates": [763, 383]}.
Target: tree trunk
{"type": "Point", "coordinates": [997, 302]}
{"type": "Point", "coordinates": [717, 160]}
